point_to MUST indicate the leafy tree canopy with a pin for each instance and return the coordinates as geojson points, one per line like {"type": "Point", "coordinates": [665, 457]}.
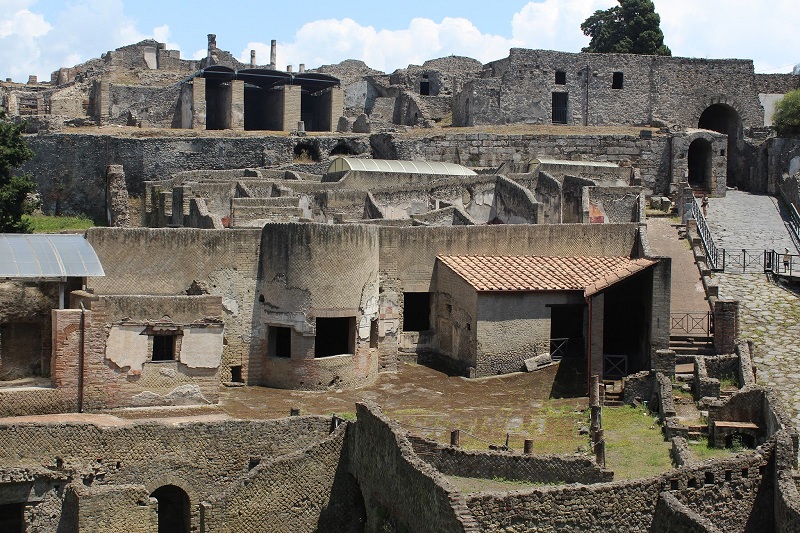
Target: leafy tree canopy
{"type": "Point", "coordinates": [787, 113]}
{"type": "Point", "coordinates": [14, 190]}
{"type": "Point", "coordinates": [632, 27]}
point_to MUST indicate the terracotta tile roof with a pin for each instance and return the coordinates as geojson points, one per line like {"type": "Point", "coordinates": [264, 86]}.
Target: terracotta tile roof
{"type": "Point", "coordinates": [535, 273]}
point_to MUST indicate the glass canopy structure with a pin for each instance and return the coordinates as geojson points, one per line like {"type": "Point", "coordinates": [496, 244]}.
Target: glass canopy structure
{"type": "Point", "coordinates": [44, 256]}
{"type": "Point", "coordinates": [343, 164]}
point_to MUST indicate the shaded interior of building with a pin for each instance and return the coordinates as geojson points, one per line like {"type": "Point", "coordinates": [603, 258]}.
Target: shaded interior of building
{"type": "Point", "coordinates": [723, 118]}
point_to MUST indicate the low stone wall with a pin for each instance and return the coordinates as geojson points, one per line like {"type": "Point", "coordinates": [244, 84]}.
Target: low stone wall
{"type": "Point", "coordinates": [401, 491]}
{"type": "Point", "coordinates": [672, 516]}
{"type": "Point", "coordinates": [704, 386]}
{"type": "Point", "coordinates": [746, 368]}
{"type": "Point", "coordinates": [681, 454]}
{"type": "Point", "coordinates": [666, 402]}
{"type": "Point", "coordinates": [640, 387]}
{"type": "Point", "coordinates": [514, 204]}
{"type": "Point", "coordinates": [508, 465]}
{"type": "Point", "coordinates": [314, 482]}
{"type": "Point", "coordinates": [787, 496]}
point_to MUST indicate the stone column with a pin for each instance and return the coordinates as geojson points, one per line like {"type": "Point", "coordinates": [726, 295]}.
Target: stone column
{"type": "Point", "coordinates": [273, 54]}
{"type": "Point", "coordinates": [726, 321]}
{"type": "Point", "coordinates": [117, 197]}
{"type": "Point", "coordinates": [291, 107]}
{"type": "Point", "coordinates": [237, 105]}
{"type": "Point", "coordinates": [252, 58]}
{"type": "Point", "coordinates": [199, 104]}
{"type": "Point", "coordinates": [337, 107]}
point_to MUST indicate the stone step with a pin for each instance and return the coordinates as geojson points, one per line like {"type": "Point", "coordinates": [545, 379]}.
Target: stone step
{"type": "Point", "coordinates": [695, 435]}
{"type": "Point", "coordinates": [613, 403]}
{"type": "Point", "coordinates": [699, 429]}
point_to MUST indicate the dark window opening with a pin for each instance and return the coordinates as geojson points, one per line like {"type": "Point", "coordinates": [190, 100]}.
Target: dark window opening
{"type": "Point", "coordinates": [700, 163]}
{"type": "Point", "coordinates": [342, 149]}
{"type": "Point", "coordinates": [280, 341]}
{"type": "Point", "coordinates": [163, 347]}
{"type": "Point", "coordinates": [174, 509]}
{"type": "Point", "coordinates": [616, 82]}
{"type": "Point", "coordinates": [561, 77]}
{"type": "Point", "coordinates": [560, 108]}
{"type": "Point", "coordinates": [709, 478]}
{"type": "Point", "coordinates": [425, 86]}
{"type": "Point", "coordinates": [692, 483]}
{"type": "Point", "coordinates": [745, 472]}
{"type": "Point", "coordinates": [722, 152]}
{"type": "Point", "coordinates": [728, 475]}
{"type": "Point", "coordinates": [566, 331]}
{"type": "Point", "coordinates": [306, 153]}
{"type": "Point", "coordinates": [236, 374]}
{"type": "Point", "coordinates": [373, 334]}
{"type": "Point", "coordinates": [335, 336]}
{"type": "Point", "coordinates": [416, 311]}
{"type": "Point", "coordinates": [12, 517]}
{"type": "Point", "coordinates": [673, 484]}
{"type": "Point", "coordinates": [218, 105]}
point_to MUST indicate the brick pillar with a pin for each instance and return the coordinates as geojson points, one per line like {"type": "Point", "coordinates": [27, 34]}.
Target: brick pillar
{"type": "Point", "coordinates": [726, 321]}
{"type": "Point", "coordinates": [103, 100]}
{"type": "Point", "coordinates": [596, 326]}
{"type": "Point", "coordinates": [237, 105]}
{"type": "Point", "coordinates": [337, 107]}
{"type": "Point", "coordinates": [199, 104]}
{"type": "Point", "coordinates": [291, 107]}
{"type": "Point", "coordinates": [660, 305]}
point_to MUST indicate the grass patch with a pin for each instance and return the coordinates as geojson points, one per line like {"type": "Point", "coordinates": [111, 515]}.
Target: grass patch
{"type": "Point", "coordinates": [703, 451]}
{"type": "Point", "coordinates": [55, 224]}
{"type": "Point", "coordinates": [468, 485]}
{"type": "Point", "coordinates": [635, 447]}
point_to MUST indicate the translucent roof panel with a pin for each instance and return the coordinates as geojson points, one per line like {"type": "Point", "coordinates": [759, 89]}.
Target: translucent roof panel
{"type": "Point", "coordinates": [343, 164]}
{"type": "Point", "coordinates": [47, 256]}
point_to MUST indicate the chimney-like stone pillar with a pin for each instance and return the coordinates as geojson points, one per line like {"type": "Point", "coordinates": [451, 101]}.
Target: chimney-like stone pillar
{"type": "Point", "coordinates": [288, 68]}
{"type": "Point", "coordinates": [273, 54]}
{"type": "Point", "coordinates": [252, 58]}
{"type": "Point", "coordinates": [302, 68]}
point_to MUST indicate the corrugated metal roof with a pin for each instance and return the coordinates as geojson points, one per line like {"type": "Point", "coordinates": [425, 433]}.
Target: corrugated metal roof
{"type": "Point", "coordinates": [47, 256]}
{"type": "Point", "coordinates": [343, 164]}
{"type": "Point", "coordinates": [535, 273]}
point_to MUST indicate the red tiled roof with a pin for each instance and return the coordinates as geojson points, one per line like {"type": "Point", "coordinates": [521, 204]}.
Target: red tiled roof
{"type": "Point", "coordinates": [534, 273]}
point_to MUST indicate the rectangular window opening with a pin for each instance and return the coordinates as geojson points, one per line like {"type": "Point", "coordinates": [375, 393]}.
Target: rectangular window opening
{"type": "Point", "coordinates": [236, 374]}
{"type": "Point", "coordinates": [280, 342]}
{"type": "Point", "coordinates": [373, 333]}
{"type": "Point", "coordinates": [335, 336]}
{"type": "Point", "coordinates": [616, 82]}
{"type": "Point", "coordinates": [561, 77]}
{"type": "Point", "coordinates": [559, 108]}
{"type": "Point", "coordinates": [416, 311]}
{"type": "Point", "coordinates": [12, 517]}
{"type": "Point", "coordinates": [163, 347]}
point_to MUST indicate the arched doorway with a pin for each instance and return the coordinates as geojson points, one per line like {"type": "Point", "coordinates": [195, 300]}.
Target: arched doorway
{"type": "Point", "coordinates": [700, 164]}
{"type": "Point", "coordinates": [723, 118]}
{"type": "Point", "coordinates": [174, 509]}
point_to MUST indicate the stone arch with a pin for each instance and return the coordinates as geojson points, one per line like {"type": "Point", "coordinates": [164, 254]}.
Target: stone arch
{"type": "Point", "coordinates": [169, 479]}
{"type": "Point", "coordinates": [343, 148]}
{"type": "Point", "coordinates": [174, 509]}
{"type": "Point", "coordinates": [699, 162]}
{"type": "Point", "coordinates": [307, 151]}
{"type": "Point", "coordinates": [722, 117]}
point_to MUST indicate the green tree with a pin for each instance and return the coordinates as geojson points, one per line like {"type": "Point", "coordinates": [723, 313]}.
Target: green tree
{"type": "Point", "coordinates": [632, 27]}
{"type": "Point", "coordinates": [14, 190]}
{"type": "Point", "coordinates": [787, 113]}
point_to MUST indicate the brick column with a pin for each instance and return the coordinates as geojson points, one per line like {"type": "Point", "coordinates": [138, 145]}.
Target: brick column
{"type": "Point", "coordinates": [337, 107]}
{"type": "Point", "coordinates": [597, 322]}
{"type": "Point", "coordinates": [237, 105]}
{"type": "Point", "coordinates": [660, 305]}
{"type": "Point", "coordinates": [726, 321]}
{"type": "Point", "coordinates": [291, 107]}
{"type": "Point", "coordinates": [199, 104]}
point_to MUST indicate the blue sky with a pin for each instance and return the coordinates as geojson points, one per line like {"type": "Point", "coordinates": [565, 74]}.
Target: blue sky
{"type": "Point", "coordinates": [38, 36]}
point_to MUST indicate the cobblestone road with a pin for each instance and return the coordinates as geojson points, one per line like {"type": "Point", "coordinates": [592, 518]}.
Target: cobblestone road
{"type": "Point", "coordinates": [769, 312]}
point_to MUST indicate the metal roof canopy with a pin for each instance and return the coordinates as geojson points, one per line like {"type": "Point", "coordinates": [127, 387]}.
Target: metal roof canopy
{"type": "Point", "coordinates": [343, 164]}
{"type": "Point", "coordinates": [267, 78]}
{"type": "Point", "coordinates": [47, 256]}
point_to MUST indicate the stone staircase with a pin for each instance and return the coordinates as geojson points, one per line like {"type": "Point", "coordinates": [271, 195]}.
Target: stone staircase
{"type": "Point", "coordinates": [614, 393]}
{"type": "Point", "coordinates": [691, 344]}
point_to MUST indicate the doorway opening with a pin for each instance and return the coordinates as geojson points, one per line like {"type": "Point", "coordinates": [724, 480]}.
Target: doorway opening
{"type": "Point", "coordinates": [174, 509]}
{"type": "Point", "coordinates": [700, 164]}
{"type": "Point", "coordinates": [335, 336]}
{"type": "Point", "coordinates": [722, 118]}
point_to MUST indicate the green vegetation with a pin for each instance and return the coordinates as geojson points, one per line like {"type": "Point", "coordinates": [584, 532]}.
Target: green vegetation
{"type": "Point", "coordinates": [15, 191]}
{"type": "Point", "coordinates": [632, 27]}
{"type": "Point", "coordinates": [635, 447]}
{"type": "Point", "coordinates": [703, 450]}
{"type": "Point", "coordinates": [787, 114]}
{"type": "Point", "coordinates": [53, 224]}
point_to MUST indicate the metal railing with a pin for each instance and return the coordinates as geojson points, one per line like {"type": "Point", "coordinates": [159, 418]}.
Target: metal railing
{"type": "Point", "coordinates": [558, 348]}
{"type": "Point", "coordinates": [615, 366]}
{"type": "Point", "coordinates": [781, 264]}
{"type": "Point", "coordinates": [712, 253]}
{"type": "Point", "coordinates": [691, 323]}
{"type": "Point", "coordinates": [742, 261]}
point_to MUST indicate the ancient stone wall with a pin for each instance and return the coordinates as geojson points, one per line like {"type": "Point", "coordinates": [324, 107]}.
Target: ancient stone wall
{"type": "Point", "coordinates": [631, 505]}
{"type": "Point", "coordinates": [307, 490]}
{"type": "Point", "coordinates": [401, 492]}
{"type": "Point", "coordinates": [170, 261]}
{"type": "Point", "coordinates": [133, 105]}
{"type": "Point", "coordinates": [546, 469]}
{"type": "Point", "coordinates": [25, 344]}
{"type": "Point", "coordinates": [607, 89]}
{"type": "Point", "coordinates": [614, 205]}
{"type": "Point", "coordinates": [515, 204]}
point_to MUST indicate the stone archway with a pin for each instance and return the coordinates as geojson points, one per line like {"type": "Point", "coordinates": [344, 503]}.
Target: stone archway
{"type": "Point", "coordinates": [700, 164]}
{"type": "Point", "coordinates": [174, 509]}
{"type": "Point", "coordinates": [723, 118]}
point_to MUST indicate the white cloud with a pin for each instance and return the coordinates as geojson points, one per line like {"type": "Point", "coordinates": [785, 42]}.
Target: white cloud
{"type": "Point", "coordinates": [555, 24]}
{"type": "Point", "coordinates": [331, 41]}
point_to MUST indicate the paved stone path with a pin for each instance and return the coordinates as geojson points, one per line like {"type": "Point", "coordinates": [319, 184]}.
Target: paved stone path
{"type": "Point", "coordinates": [769, 312]}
